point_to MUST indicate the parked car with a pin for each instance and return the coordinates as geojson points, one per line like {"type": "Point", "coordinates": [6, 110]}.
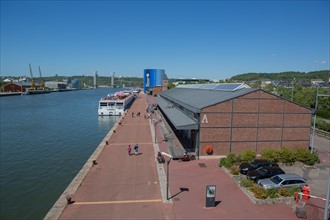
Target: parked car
{"type": "Point", "coordinates": [245, 167]}
{"type": "Point", "coordinates": [264, 172]}
{"type": "Point", "coordinates": [283, 180]}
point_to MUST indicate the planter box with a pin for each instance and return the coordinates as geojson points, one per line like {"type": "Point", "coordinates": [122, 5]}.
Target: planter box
{"type": "Point", "coordinates": [250, 195]}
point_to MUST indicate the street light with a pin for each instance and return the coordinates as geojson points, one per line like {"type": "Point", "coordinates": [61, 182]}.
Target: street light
{"type": "Point", "coordinates": [327, 206]}
{"type": "Point", "coordinates": [292, 89]}
{"type": "Point", "coordinates": [313, 136]}
{"type": "Point", "coordinates": [167, 173]}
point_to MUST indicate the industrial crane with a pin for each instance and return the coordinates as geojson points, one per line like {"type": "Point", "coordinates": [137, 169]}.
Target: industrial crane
{"type": "Point", "coordinates": [41, 82]}
{"type": "Point", "coordinates": [33, 85]}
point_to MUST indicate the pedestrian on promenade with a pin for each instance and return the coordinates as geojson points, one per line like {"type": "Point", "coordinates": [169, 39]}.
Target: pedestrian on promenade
{"type": "Point", "coordinates": [136, 149]}
{"type": "Point", "coordinates": [132, 114]}
{"type": "Point", "coordinates": [129, 149]}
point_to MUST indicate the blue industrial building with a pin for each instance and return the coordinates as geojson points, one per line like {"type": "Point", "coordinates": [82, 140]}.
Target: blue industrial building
{"type": "Point", "coordinates": [153, 78]}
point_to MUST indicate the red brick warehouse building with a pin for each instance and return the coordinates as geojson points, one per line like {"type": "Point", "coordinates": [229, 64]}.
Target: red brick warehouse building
{"type": "Point", "coordinates": [233, 118]}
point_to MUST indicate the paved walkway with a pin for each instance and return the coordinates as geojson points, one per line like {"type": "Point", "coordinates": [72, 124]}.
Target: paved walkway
{"type": "Point", "coordinates": [133, 187]}
{"type": "Point", "coordinates": [122, 186]}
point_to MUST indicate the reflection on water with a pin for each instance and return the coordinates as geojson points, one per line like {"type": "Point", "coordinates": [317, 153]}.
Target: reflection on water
{"type": "Point", "coordinates": [105, 120]}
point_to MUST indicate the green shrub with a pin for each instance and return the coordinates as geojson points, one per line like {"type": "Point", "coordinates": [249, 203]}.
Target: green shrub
{"type": "Point", "coordinates": [228, 161]}
{"type": "Point", "coordinates": [284, 192]}
{"type": "Point", "coordinates": [246, 183]}
{"type": "Point", "coordinates": [222, 162]}
{"type": "Point", "coordinates": [301, 154]}
{"type": "Point", "coordinates": [312, 159]}
{"type": "Point", "coordinates": [292, 190]}
{"type": "Point", "coordinates": [305, 156]}
{"type": "Point", "coordinates": [323, 113]}
{"type": "Point", "coordinates": [247, 156]}
{"type": "Point", "coordinates": [286, 155]}
{"type": "Point", "coordinates": [234, 170]}
{"type": "Point", "coordinates": [272, 193]}
{"type": "Point", "coordinates": [323, 125]}
{"type": "Point", "coordinates": [269, 154]}
{"type": "Point", "coordinates": [231, 157]}
{"type": "Point", "coordinates": [258, 191]}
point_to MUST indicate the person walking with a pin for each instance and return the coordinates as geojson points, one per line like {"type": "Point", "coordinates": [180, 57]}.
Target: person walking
{"type": "Point", "coordinates": [136, 149]}
{"type": "Point", "coordinates": [129, 150]}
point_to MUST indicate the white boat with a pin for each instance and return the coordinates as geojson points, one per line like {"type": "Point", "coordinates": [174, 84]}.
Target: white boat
{"type": "Point", "coordinates": [115, 104]}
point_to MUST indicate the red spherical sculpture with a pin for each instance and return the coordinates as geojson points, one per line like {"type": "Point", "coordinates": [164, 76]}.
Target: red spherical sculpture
{"type": "Point", "coordinates": [209, 149]}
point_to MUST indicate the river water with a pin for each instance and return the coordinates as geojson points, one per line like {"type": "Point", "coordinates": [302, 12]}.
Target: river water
{"type": "Point", "coordinates": [44, 142]}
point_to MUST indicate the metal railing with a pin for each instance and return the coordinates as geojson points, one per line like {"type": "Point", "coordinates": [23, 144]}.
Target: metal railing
{"type": "Point", "coordinates": [322, 133]}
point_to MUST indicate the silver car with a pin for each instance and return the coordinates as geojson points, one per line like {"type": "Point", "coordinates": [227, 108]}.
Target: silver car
{"type": "Point", "coordinates": [283, 180]}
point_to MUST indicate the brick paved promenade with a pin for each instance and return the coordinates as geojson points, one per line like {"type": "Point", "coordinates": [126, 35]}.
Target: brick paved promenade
{"type": "Point", "coordinates": [122, 186]}
{"type": "Point", "coordinates": [133, 187]}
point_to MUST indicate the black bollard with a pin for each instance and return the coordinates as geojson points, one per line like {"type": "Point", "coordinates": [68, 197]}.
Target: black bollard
{"type": "Point", "coordinates": [69, 200]}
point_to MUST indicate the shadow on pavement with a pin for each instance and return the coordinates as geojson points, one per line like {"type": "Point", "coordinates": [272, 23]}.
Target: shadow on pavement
{"type": "Point", "coordinates": [182, 189]}
{"type": "Point", "coordinates": [217, 203]}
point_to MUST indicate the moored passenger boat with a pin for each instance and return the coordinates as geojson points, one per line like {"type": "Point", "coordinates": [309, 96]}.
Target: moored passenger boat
{"type": "Point", "coordinates": [115, 104]}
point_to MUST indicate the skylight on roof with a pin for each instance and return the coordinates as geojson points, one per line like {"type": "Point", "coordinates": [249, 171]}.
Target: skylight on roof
{"type": "Point", "coordinates": [222, 86]}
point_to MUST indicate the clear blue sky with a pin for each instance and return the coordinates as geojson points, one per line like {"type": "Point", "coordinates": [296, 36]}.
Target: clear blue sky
{"type": "Point", "coordinates": [200, 39]}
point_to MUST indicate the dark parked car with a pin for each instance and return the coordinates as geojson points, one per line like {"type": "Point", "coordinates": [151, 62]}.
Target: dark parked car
{"type": "Point", "coordinates": [264, 172]}
{"type": "Point", "coordinates": [283, 180]}
{"type": "Point", "coordinates": [245, 167]}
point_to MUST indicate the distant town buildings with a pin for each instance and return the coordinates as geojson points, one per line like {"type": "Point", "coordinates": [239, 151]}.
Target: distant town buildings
{"type": "Point", "coordinates": [21, 84]}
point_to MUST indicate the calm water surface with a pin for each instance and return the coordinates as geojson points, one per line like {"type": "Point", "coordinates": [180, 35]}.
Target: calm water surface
{"type": "Point", "coordinates": [44, 142]}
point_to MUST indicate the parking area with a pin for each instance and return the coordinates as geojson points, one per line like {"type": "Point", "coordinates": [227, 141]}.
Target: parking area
{"type": "Point", "coordinates": [317, 175]}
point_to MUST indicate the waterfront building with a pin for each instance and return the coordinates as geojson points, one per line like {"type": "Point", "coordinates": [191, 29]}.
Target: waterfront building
{"type": "Point", "coordinates": [17, 86]}
{"type": "Point", "coordinates": [75, 83]}
{"type": "Point", "coordinates": [233, 118]}
{"type": "Point", "coordinates": [54, 85]}
{"type": "Point", "coordinates": [13, 87]}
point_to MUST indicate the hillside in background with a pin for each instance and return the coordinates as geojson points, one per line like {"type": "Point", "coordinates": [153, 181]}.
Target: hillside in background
{"type": "Point", "coordinates": [284, 76]}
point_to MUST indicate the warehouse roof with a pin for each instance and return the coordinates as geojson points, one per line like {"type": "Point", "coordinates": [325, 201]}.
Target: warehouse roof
{"type": "Point", "coordinates": [195, 97]}
{"type": "Point", "coordinates": [178, 118]}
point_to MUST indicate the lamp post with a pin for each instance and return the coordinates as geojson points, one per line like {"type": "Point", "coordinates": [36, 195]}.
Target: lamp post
{"type": "Point", "coordinates": [168, 178]}
{"type": "Point", "coordinates": [155, 132]}
{"type": "Point", "coordinates": [314, 123]}
{"type": "Point", "coordinates": [292, 89]}
{"type": "Point", "coordinates": [167, 174]}
{"type": "Point", "coordinates": [326, 208]}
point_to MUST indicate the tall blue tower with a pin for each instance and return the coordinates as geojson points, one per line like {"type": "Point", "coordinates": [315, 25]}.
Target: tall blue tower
{"type": "Point", "coordinates": [152, 78]}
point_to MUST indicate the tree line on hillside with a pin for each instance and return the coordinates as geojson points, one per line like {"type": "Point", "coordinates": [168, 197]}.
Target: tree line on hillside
{"type": "Point", "coordinates": [285, 76]}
